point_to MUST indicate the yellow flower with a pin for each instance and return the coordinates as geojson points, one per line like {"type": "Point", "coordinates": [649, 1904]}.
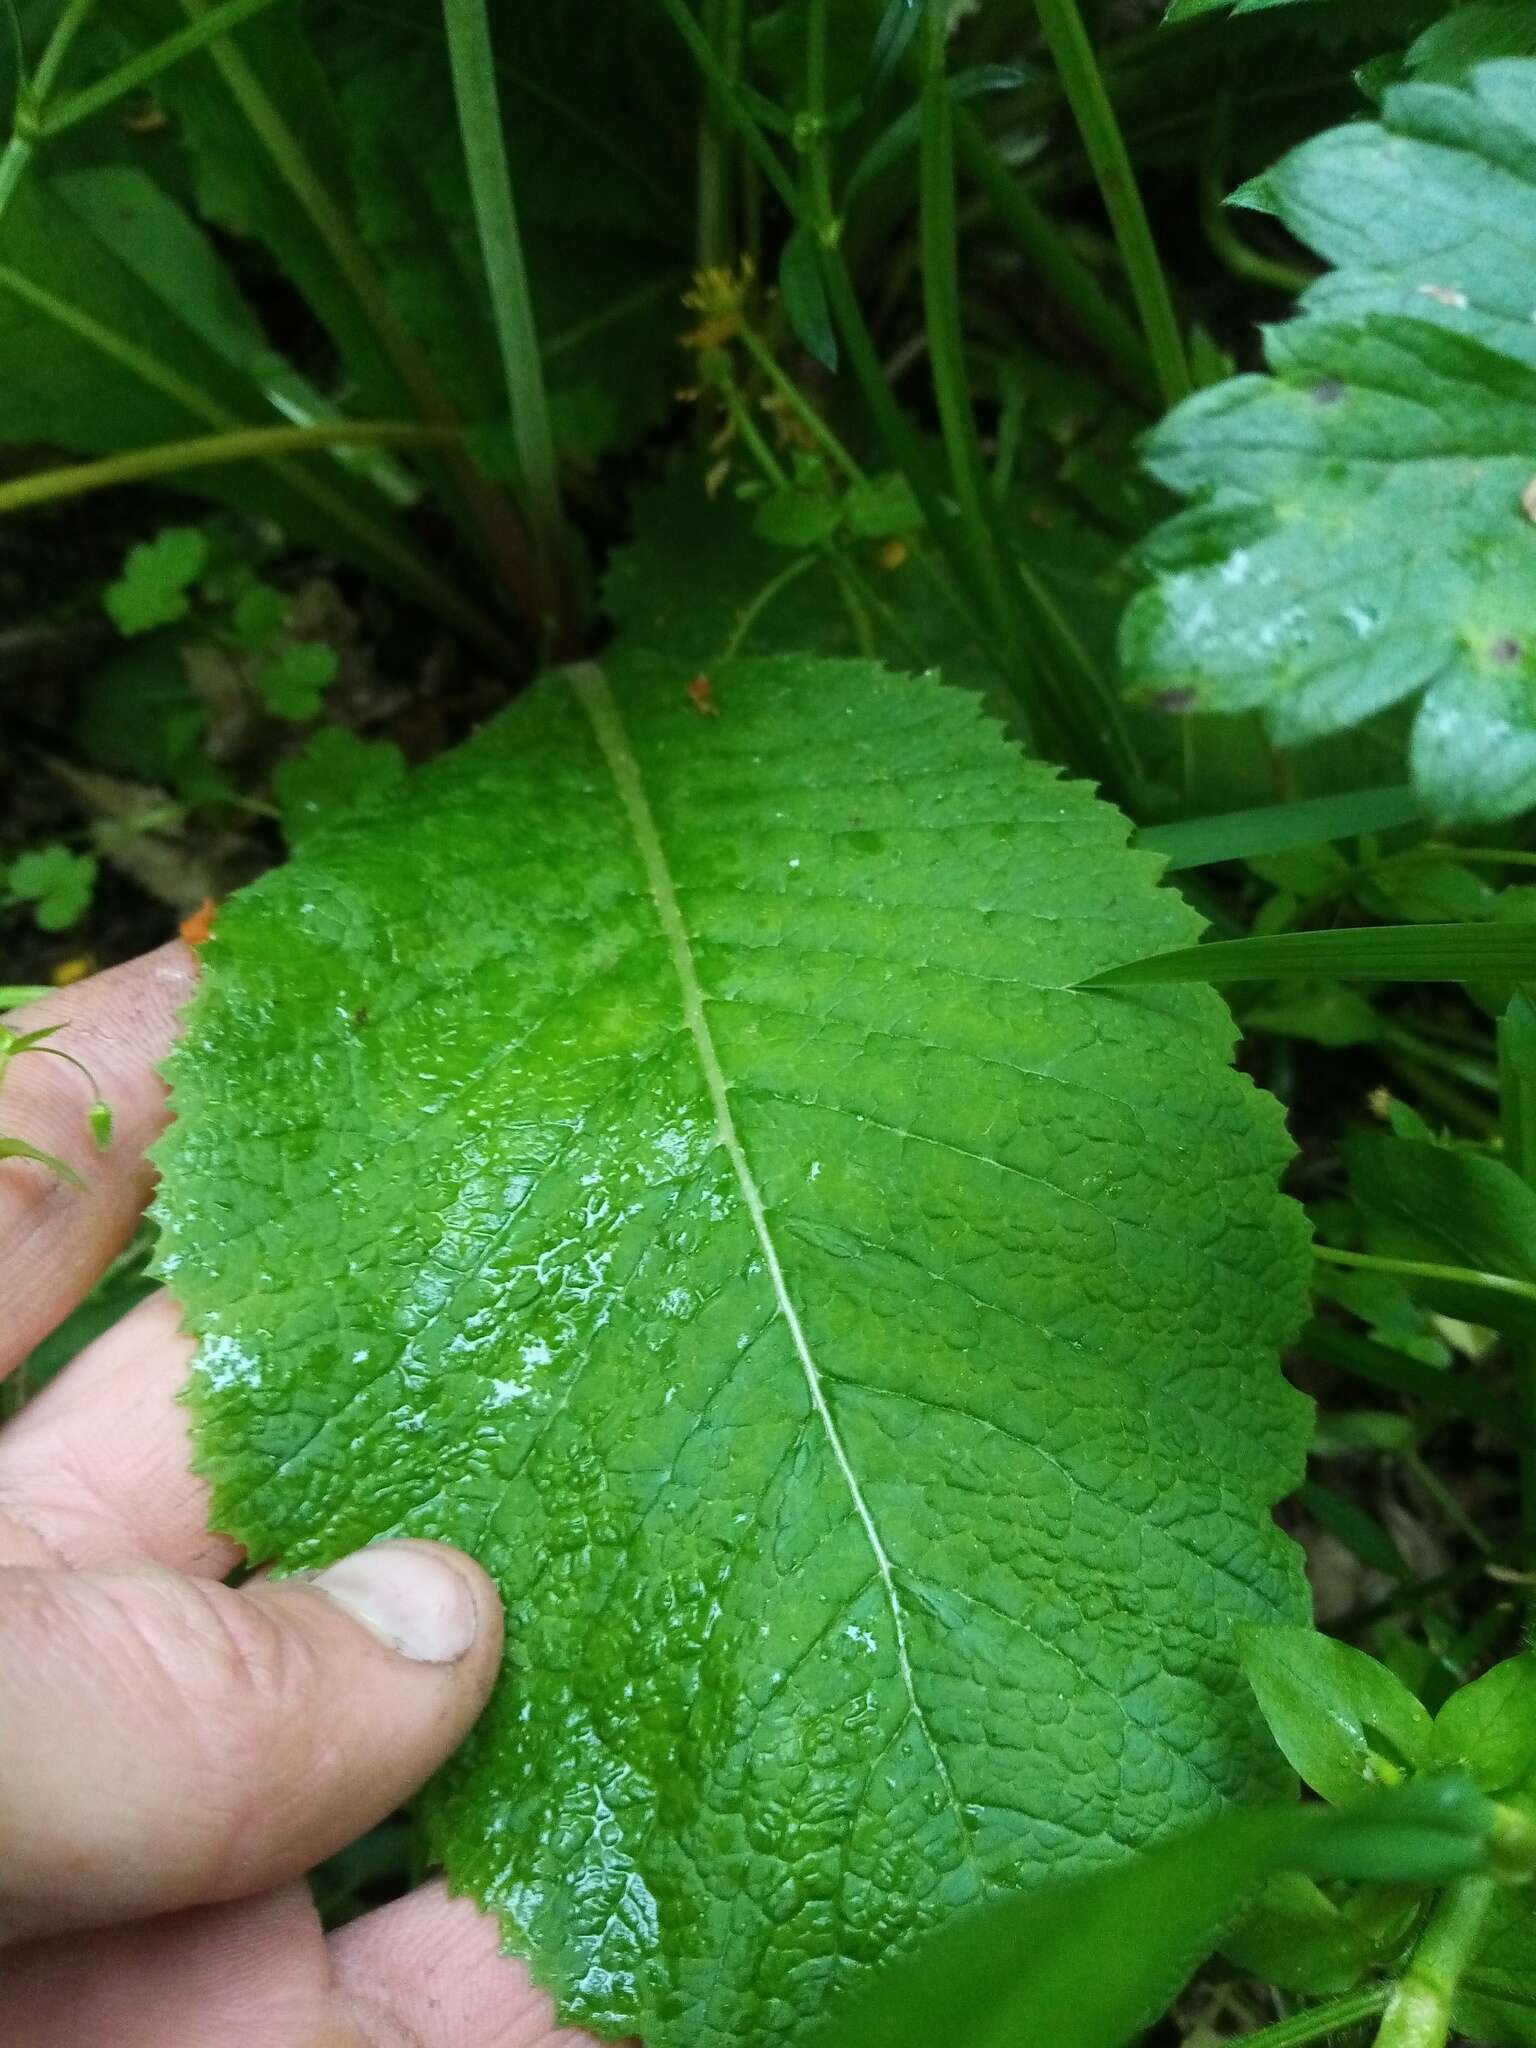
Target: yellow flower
{"type": "Point", "coordinates": [720, 294]}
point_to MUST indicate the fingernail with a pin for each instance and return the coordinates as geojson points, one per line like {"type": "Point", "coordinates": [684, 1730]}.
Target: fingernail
{"type": "Point", "coordinates": [410, 1596]}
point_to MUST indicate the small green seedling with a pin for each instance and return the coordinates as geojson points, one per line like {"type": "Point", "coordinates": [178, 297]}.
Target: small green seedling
{"type": "Point", "coordinates": [98, 1115]}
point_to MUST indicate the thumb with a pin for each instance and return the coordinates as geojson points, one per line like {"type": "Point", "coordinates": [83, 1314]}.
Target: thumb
{"type": "Point", "coordinates": [170, 1742]}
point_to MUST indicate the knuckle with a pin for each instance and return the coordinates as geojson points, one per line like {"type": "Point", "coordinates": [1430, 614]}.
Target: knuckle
{"type": "Point", "coordinates": [249, 1665]}
{"type": "Point", "coordinates": [244, 1687]}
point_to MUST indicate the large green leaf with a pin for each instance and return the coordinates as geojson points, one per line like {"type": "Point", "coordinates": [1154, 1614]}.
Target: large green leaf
{"type": "Point", "coordinates": [666, 1153]}
{"type": "Point", "coordinates": [1395, 445]}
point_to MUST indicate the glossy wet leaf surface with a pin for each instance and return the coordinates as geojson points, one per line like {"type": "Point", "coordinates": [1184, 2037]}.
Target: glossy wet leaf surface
{"type": "Point", "coordinates": [665, 1151]}
{"type": "Point", "coordinates": [1364, 525]}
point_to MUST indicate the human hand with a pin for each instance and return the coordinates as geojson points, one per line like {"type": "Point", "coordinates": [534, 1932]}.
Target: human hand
{"type": "Point", "coordinates": [175, 1754]}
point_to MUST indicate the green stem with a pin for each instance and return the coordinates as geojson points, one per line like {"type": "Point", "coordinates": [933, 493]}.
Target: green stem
{"type": "Point", "coordinates": [51, 63]}
{"type": "Point", "coordinates": [1023, 614]}
{"type": "Point", "coordinates": [206, 451]}
{"type": "Point", "coordinates": [724, 29]}
{"type": "Point", "coordinates": [488, 507]}
{"type": "Point", "coordinates": [1318, 2022]}
{"type": "Point", "coordinates": [138, 362]}
{"type": "Point", "coordinates": [798, 404]}
{"type": "Point", "coordinates": [853, 605]}
{"type": "Point", "coordinates": [855, 593]}
{"type": "Point", "coordinates": [1446, 1502]}
{"type": "Point", "coordinates": [747, 618]}
{"type": "Point", "coordinates": [817, 156]}
{"type": "Point", "coordinates": [472, 58]}
{"type": "Point", "coordinates": [903, 447]}
{"type": "Point", "coordinates": [381, 540]}
{"type": "Point", "coordinates": [31, 93]}
{"type": "Point", "coordinates": [1422, 1269]}
{"type": "Point", "coordinates": [138, 71]}
{"type": "Point", "coordinates": [938, 236]}
{"type": "Point", "coordinates": [1475, 856]}
{"type": "Point", "coordinates": [752, 440]}
{"type": "Point", "coordinates": [1244, 262]}
{"type": "Point", "coordinates": [1460, 1067]}
{"type": "Point", "coordinates": [836, 452]}
{"type": "Point", "coordinates": [14, 159]}
{"type": "Point", "coordinates": [1094, 113]}
{"type": "Point", "coordinates": [581, 331]}
{"type": "Point", "coordinates": [730, 102]}
{"type": "Point", "coordinates": [1053, 256]}
{"type": "Point", "coordinates": [1418, 2014]}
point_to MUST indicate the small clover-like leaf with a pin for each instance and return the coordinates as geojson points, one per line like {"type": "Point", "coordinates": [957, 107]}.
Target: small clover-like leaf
{"type": "Point", "coordinates": [258, 615]}
{"type": "Point", "coordinates": [670, 1156]}
{"type": "Point", "coordinates": [56, 882]}
{"type": "Point", "coordinates": [880, 506]}
{"type": "Point", "coordinates": [293, 683]}
{"type": "Point", "coordinates": [157, 580]}
{"type": "Point", "coordinates": [796, 518]}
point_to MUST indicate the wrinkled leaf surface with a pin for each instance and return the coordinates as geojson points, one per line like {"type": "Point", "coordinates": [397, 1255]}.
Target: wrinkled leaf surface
{"type": "Point", "coordinates": [664, 1151]}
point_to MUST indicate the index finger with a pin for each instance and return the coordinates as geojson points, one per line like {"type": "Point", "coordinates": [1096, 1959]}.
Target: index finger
{"type": "Point", "coordinates": [56, 1240]}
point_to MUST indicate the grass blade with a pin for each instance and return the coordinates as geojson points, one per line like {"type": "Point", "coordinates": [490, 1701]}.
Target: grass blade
{"type": "Point", "coordinates": [1275, 828]}
{"type": "Point", "coordinates": [473, 61]}
{"type": "Point", "coordinates": [1424, 952]}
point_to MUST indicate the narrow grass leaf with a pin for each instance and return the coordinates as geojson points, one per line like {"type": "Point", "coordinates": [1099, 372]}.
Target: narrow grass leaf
{"type": "Point", "coordinates": [1275, 828]}
{"type": "Point", "coordinates": [1425, 952]}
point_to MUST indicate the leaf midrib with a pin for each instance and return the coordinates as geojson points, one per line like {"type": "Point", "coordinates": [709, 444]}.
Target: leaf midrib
{"type": "Point", "coordinates": [597, 700]}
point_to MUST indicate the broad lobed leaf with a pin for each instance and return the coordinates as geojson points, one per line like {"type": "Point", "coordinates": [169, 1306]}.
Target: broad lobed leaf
{"type": "Point", "coordinates": [666, 1154]}
{"type": "Point", "coordinates": [1393, 444]}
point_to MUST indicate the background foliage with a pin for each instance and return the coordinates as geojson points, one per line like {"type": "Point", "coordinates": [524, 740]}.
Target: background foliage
{"type": "Point", "coordinates": [1161, 380]}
